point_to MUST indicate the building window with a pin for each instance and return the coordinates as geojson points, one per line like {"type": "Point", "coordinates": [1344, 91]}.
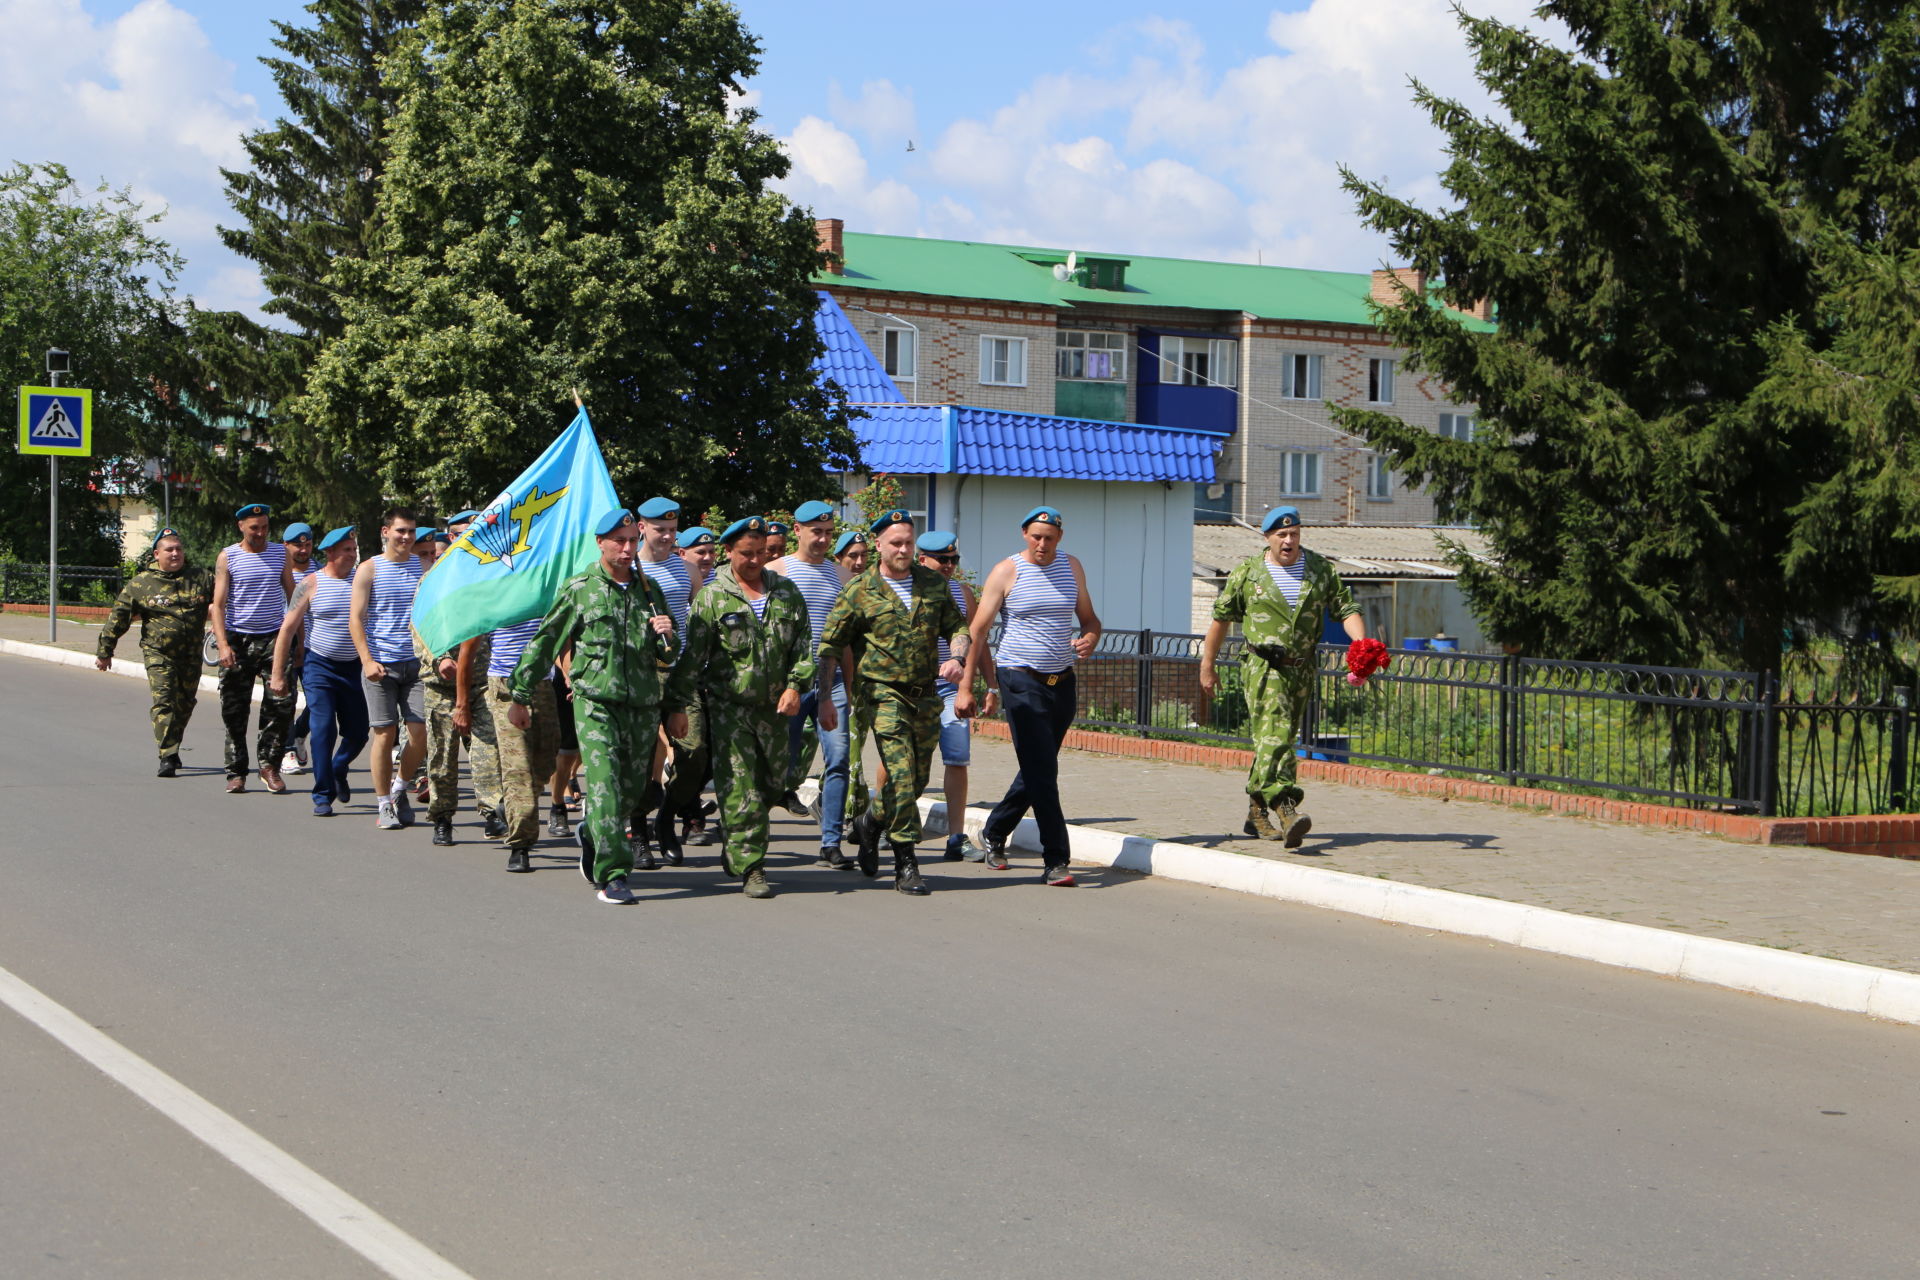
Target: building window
{"type": "Point", "coordinates": [1379, 382]}
{"type": "Point", "coordinates": [1200, 362]}
{"type": "Point", "coordinates": [1090, 356]}
{"type": "Point", "coordinates": [1300, 475]}
{"type": "Point", "coordinates": [1456, 426]}
{"type": "Point", "coordinates": [1379, 476]}
{"type": "Point", "coordinates": [1003, 362]}
{"type": "Point", "coordinates": [898, 353]}
{"type": "Point", "coordinates": [913, 497]}
{"type": "Point", "coordinates": [1300, 376]}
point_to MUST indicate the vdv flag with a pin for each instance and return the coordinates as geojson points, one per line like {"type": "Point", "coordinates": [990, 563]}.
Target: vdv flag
{"type": "Point", "coordinates": [509, 564]}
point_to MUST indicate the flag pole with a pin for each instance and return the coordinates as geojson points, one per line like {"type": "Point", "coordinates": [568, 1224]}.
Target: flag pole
{"type": "Point", "coordinates": [576, 399]}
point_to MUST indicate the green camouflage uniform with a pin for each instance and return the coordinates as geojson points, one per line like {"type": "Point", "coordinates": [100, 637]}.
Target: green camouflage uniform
{"type": "Point", "coordinates": [443, 743]}
{"type": "Point", "coordinates": [896, 661]}
{"type": "Point", "coordinates": [1279, 666]}
{"type": "Point", "coordinates": [742, 664]}
{"type": "Point", "coordinates": [172, 608]}
{"type": "Point", "coordinates": [616, 697]}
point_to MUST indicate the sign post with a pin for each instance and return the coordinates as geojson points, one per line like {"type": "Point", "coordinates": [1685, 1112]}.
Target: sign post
{"type": "Point", "coordinates": [58, 422]}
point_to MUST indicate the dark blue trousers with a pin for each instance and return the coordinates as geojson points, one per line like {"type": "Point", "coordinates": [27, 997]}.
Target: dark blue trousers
{"type": "Point", "coordinates": [337, 708]}
{"type": "Point", "coordinates": [1038, 716]}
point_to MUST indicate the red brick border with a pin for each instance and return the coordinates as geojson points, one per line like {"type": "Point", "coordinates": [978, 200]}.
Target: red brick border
{"type": "Point", "coordinates": [1886, 835]}
{"type": "Point", "coordinates": [75, 611]}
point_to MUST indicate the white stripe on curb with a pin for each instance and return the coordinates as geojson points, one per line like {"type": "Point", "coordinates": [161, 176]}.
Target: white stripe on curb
{"type": "Point", "coordinates": [347, 1219]}
{"type": "Point", "coordinates": [1786, 975]}
{"type": "Point", "coordinates": [120, 667]}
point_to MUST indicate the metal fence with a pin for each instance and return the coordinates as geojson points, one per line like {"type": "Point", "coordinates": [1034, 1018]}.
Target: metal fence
{"type": "Point", "coordinates": [1712, 739]}
{"type": "Point", "coordinates": [80, 584]}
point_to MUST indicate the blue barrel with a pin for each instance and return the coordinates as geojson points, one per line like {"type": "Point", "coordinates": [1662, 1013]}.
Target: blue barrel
{"type": "Point", "coordinates": [1414, 642]}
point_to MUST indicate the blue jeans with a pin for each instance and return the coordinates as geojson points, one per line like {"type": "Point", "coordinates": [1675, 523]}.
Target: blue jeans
{"type": "Point", "coordinates": [1038, 717]}
{"type": "Point", "coordinates": [833, 754]}
{"type": "Point", "coordinates": [336, 706]}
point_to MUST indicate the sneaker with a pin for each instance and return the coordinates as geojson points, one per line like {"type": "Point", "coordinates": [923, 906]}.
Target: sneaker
{"type": "Point", "coordinates": [586, 853]}
{"type": "Point", "coordinates": [996, 854]}
{"type": "Point", "coordinates": [290, 763]}
{"type": "Point", "coordinates": [236, 784]}
{"type": "Point", "coordinates": [971, 851]}
{"type": "Point", "coordinates": [342, 793]}
{"type": "Point", "coordinates": [517, 860]}
{"type": "Point", "coordinates": [402, 805]}
{"type": "Point", "coordinates": [322, 807]}
{"type": "Point", "coordinates": [1059, 874]}
{"type": "Point", "coordinates": [557, 825]}
{"type": "Point", "coordinates": [271, 776]}
{"type": "Point", "coordinates": [756, 884]}
{"type": "Point", "coordinates": [493, 826]}
{"type": "Point", "coordinates": [299, 754]}
{"type": "Point", "coordinates": [387, 819]}
{"type": "Point", "coordinates": [421, 790]}
{"type": "Point", "coordinates": [616, 892]}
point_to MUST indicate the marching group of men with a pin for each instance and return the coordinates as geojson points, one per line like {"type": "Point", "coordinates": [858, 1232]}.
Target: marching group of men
{"type": "Point", "coordinates": [683, 658]}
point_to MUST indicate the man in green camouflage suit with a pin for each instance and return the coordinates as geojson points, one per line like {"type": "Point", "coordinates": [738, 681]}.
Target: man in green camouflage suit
{"type": "Point", "coordinates": [749, 651]}
{"type": "Point", "coordinates": [603, 616]}
{"type": "Point", "coordinates": [1278, 598]}
{"type": "Point", "coordinates": [171, 602]}
{"type": "Point", "coordinates": [893, 618]}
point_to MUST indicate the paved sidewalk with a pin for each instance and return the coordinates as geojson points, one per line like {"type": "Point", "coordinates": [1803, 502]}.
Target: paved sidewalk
{"type": "Point", "coordinates": [1815, 901]}
{"type": "Point", "coordinates": [81, 637]}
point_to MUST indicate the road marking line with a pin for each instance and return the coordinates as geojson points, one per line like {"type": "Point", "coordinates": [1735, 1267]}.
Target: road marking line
{"type": "Point", "coordinates": [352, 1222]}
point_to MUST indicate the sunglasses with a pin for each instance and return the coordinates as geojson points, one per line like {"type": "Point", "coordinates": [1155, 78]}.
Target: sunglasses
{"type": "Point", "coordinates": [941, 559]}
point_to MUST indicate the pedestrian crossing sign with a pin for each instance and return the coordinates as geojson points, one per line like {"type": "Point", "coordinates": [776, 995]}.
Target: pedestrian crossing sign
{"type": "Point", "coordinates": [56, 421]}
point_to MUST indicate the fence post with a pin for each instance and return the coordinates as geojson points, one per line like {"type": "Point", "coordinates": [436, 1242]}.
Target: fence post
{"type": "Point", "coordinates": [1766, 791]}
{"type": "Point", "coordinates": [1897, 753]}
{"type": "Point", "coordinates": [1503, 719]}
{"type": "Point", "coordinates": [1143, 679]}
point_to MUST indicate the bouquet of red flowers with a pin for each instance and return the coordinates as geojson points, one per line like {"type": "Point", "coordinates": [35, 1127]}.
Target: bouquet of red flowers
{"type": "Point", "coordinates": [1364, 657]}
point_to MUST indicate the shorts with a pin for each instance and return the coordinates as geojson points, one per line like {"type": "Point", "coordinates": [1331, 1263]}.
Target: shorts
{"type": "Point", "coordinates": [569, 733]}
{"type": "Point", "coordinates": [956, 735]}
{"type": "Point", "coordinates": [399, 696]}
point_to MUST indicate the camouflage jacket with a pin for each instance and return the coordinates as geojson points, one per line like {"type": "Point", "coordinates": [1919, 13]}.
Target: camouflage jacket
{"type": "Point", "coordinates": [172, 608]}
{"type": "Point", "coordinates": [733, 656]}
{"type": "Point", "coordinates": [616, 654]}
{"type": "Point", "coordinates": [1250, 599]}
{"type": "Point", "coordinates": [430, 663]}
{"type": "Point", "coordinates": [890, 644]}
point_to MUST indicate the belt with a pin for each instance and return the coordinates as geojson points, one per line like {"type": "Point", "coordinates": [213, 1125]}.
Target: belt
{"type": "Point", "coordinates": [916, 692]}
{"type": "Point", "coordinates": [1048, 678]}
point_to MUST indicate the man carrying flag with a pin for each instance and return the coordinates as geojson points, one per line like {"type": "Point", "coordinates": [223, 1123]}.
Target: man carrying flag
{"type": "Point", "coordinates": [602, 615]}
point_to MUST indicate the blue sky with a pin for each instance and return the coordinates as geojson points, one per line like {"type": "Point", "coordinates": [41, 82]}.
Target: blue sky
{"type": "Point", "coordinates": [1141, 127]}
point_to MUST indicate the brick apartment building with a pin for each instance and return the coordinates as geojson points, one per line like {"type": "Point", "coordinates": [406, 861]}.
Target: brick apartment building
{"type": "Point", "coordinates": [1257, 354]}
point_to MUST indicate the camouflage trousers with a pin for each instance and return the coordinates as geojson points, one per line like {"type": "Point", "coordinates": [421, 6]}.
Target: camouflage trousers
{"type": "Point", "coordinates": [253, 661]}
{"type": "Point", "coordinates": [443, 755]}
{"type": "Point", "coordinates": [749, 746]}
{"type": "Point", "coordinates": [860, 713]}
{"type": "Point", "coordinates": [616, 750]}
{"type": "Point", "coordinates": [906, 729]}
{"type": "Point", "coordinates": [801, 757]}
{"type": "Point", "coordinates": [692, 763]}
{"type": "Point", "coordinates": [1276, 707]}
{"type": "Point", "coordinates": [174, 679]}
{"type": "Point", "coordinates": [525, 756]}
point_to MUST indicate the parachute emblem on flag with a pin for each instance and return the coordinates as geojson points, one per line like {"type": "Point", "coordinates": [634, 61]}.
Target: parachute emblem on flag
{"type": "Point", "coordinates": [505, 528]}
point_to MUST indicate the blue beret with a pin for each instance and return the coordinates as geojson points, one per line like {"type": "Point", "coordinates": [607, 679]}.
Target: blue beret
{"type": "Point", "coordinates": [774, 526]}
{"type": "Point", "coordinates": [745, 524]}
{"type": "Point", "coordinates": [810, 511]}
{"type": "Point", "coordinates": [422, 535]}
{"type": "Point", "coordinates": [253, 509]}
{"type": "Point", "coordinates": [1281, 518]}
{"type": "Point", "coordinates": [297, 530]}
{"type": "Point", "coordinates": [333, 536]}
{"type": "Point", "coordinates": [441, 536]}
{"type": "Point", "coordinates": [1045, 515]}
{"type": "Point", "coordinates": [463, 517]}
{"type": "Point", "coordinates": [167, 531]}
{"type": "Point", "coordinates": [694, 537]}
{"type": "Point", "coordinates": [610, 519]}
{"type": "Point", "coordinates": [846, 540]}
{"type": "Point", "coordinates": [935, 542]}
{"type": "Point", "coordinates": [899, 515]}
{"type": "Point", "coordinates": [657, 509]}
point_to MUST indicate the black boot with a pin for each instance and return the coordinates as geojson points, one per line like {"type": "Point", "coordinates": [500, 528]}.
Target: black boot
{"type": "Point", "coordinates": [557, 825]}
{"type": "Point", "coordinates": [833, 859]}
{"type": "Point", "coordinates": [494, 826]}
{"type": "Point", "coordinates": [867, 832]}
{"type": "Point", "coordinates": [443, 830]}
{"type": "Point", "coordinates": [906, 872]}
{"type": "Point", "coordinates": [517, 859]}
{"type": "Point", "coordinates": [641, 848]}
{"type": "Point", "coordinates": [169, 766]}
{"type": "Point", "coordinates": [666, 834]}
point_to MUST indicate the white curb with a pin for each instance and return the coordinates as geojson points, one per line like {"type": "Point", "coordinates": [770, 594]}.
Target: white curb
{"type": "Point", "coordinates": [120, 667]}
{"type": "Point", "coordinates": [1786, 975]}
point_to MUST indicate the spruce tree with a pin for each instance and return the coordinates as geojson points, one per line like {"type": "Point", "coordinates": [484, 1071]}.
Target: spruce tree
{"type": "Point", "coordinates": [1674, 222]}
{"type": "Point", "coordinates": [571, 201]}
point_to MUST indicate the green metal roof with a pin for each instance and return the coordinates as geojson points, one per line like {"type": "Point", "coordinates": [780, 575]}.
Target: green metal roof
{"type": "Point", "coordinates": [1005, 273]}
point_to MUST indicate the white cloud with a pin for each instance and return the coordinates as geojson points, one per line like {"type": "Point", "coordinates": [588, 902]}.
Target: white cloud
{"type": "Point", "coordinates": [882, 114]}
{"type": "Point", "coordinates": [141, 101]}
{"type": "Point", "coordinates": [1143, 149]}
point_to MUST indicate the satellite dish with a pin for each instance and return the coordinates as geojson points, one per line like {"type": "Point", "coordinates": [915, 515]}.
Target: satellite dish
{"type": "Point", "coordinates": [1061, 273]}
{"type": "Point", "coordinates": [1215, 492]}
{"type": "Point", "coordinates": [1073, 260]}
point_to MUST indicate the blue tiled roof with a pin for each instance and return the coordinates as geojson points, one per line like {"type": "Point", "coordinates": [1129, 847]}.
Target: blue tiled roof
{"type": "Point", "coordinates": [848, 359]}
{"type": "Point", "coordinates": [902, 439]}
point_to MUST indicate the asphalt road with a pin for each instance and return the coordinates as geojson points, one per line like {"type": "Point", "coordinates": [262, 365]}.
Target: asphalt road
{"type": "Point", "coordinates": [1129, 1079]}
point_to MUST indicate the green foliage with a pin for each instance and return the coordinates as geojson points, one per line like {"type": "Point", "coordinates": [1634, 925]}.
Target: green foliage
{"type": "Point", "coordinates": [1695, 419]}
{"type": "Point", "coordinates": [568, 201]}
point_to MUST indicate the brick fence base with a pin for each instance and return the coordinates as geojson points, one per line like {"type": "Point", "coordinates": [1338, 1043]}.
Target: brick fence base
{"type": "Point", "coordinates": [1885, 835]}
{"type": "Point", "coordinates": [75, 611]}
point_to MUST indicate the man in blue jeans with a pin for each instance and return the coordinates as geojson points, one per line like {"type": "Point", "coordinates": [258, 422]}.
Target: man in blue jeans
{"type": "Point", "coordinates": [940, 552]}
{"type": "Point", "coordinates": [819, 579]}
